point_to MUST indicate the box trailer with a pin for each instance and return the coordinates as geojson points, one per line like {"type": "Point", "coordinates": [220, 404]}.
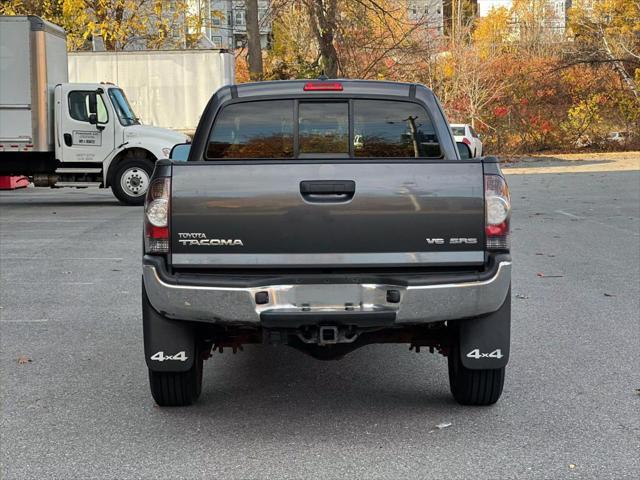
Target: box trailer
{"type": "Point", "coordinates": [33, 60]}
{"type": "Point", "coordinates": [63, 134]}
{"type": "Point", "coordinates": [166, 88]}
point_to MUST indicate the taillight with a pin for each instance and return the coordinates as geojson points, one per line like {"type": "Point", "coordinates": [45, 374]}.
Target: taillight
{"type": "Point", "coordinates": [466, 141]}
{"type": "Point", "coordinates": [322, 86]}
{"type": "Point", "coordinates": [498, 210]}
{"type": "Point", "coordinates": [156, 216]}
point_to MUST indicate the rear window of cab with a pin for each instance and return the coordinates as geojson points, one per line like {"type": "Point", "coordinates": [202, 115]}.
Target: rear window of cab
{"type": "Point", "coordinates": [285, 129]}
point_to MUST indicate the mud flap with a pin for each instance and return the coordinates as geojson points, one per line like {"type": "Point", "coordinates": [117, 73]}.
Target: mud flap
{"type": "Point", "coordinates": [484, 341]}
{"type": "Point", "coordinates": [169, 345]}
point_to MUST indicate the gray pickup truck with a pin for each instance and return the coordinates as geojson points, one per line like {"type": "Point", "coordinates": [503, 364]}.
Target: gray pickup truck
{"type": "Point", "coordinates": [326, 215]}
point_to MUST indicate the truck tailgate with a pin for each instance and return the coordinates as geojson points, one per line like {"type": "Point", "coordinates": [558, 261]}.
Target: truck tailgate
{"type": "Point", "coordinates": [327, 214]}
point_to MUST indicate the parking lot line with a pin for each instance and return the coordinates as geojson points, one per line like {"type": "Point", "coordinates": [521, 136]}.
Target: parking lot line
{"type": "Point", "coordinates": [562, 212]}
{"type": "Point", "coordinates": [37, 320]}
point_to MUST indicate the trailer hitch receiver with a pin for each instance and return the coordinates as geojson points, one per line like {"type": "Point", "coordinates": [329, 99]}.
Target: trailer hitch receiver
{"type": "Point", "coordinates": [328, 335]}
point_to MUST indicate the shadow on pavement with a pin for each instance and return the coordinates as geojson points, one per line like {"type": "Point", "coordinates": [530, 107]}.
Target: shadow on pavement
{"type": "Point", "coordinates": [279, 384]}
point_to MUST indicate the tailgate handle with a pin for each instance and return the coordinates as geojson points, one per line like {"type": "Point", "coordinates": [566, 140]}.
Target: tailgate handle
{"type": "Point", "coordinates": [328, 190]}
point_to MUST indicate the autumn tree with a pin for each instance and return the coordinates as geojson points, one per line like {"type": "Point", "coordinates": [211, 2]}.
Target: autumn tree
{"type": "Point", "coordinates": [323, 19]}
{"type": "Point", "coordinates": [493, 32]}
{"type": "Point", "coordinates": [380, 40]}
{"type": "Point", "coordinates": [51, 10]}
{"type": "Point", "coordinates": [120, 23]}
{"type": "Point", "coordinates": [536, 26]}
{"type": "Point", "coordinates": [458, 14]}
{"type": "Point", "coordinates": [352, 38]}
{"type": "Point", "coordinates": [469, 78]}
{"type": "Point", "coordinates": [294, 52]}
{"type": "Point", "coordinates": [608, 31]}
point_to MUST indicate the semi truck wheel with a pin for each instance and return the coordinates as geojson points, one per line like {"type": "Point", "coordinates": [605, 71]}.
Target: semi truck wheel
{"type": "Point", "coordinates": [473, 387]}
{"type": "Point", "coordinates": [170, 389]}
{"type": "Point", "coordinates": [131, 179]}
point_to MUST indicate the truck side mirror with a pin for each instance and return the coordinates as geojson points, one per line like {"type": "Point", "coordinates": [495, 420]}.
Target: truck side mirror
{"type": "Point", "coordinates": [93, 118]}
{"type": "Point", "coordinates": [464, 151]}
{"type": "Point", "coordinates": [93, 106]}
{"type": "Point", "coordinates": [180, 152]}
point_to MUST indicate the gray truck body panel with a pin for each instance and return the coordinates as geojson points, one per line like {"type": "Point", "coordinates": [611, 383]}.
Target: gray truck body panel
{"type": "Point", "coordinates": [403, 212]}
{"type": "Point", "coordinates": [396, 207]}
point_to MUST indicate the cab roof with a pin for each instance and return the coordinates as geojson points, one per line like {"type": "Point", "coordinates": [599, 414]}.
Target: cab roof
{"type": "Point", "coordinates": [347, 88]}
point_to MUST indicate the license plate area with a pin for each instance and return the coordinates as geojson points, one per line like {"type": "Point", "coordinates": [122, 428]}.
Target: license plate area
{"type": "Point", "coordinates": [334, 298]}
{"type": "Point", "coordinates": [297, 319]}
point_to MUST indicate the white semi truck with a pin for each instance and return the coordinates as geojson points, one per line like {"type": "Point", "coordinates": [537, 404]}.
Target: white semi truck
{"type": "Point", "coordinates": [63, 134]}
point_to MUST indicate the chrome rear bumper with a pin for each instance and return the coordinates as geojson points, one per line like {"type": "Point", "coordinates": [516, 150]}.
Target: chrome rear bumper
{"type": "Point", "coordinates": [418, 304]}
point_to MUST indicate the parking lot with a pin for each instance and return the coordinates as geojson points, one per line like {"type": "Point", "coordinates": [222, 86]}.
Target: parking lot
{"type": "Point", "coordinates": [79, 406]}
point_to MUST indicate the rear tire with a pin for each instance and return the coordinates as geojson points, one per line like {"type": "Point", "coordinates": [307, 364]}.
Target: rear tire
{"type": "Point", "coordinates": [131, 178]}
{"type": "Point", "coordinates": [473, 387]}
{"type": "Point", "coordinates": [170, 389]}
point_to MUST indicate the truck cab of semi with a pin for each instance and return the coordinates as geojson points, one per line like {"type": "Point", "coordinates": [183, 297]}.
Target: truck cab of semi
{"type": "Point", "coordinates": [98, 136]}
{"type": "Point", "coordinates": [62, 134]}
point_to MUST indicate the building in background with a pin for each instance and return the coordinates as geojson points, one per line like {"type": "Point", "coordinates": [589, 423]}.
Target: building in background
{"type": "Point", "coordinates": [225, 25]}
{"type": "Point", "coordinates": [557, 12]}
{"type": "Point", "coordinates": [428, 12]}
{"type": "Point", "coordinates": [560, 17]}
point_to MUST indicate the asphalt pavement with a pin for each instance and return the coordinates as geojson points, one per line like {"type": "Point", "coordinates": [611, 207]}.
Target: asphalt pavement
{"type": "Point", "coordinates": [80, 407]}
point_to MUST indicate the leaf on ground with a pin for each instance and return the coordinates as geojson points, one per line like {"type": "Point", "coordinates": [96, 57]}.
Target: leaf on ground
{"type": "Point", "coordinates": [539, 253]}
{"type": "Point", "coordinates": [522, 296]}
{"type": "Point", "coordinates": [572, 466]}
{"type": "Point", "coordinates": [442, 425]}
{"type": "Point", "coordinates": [609, 294]}
{"type": "Point", "coordinates": [22, 359]}
{"type": "Point", "coordinates": [637, 391]}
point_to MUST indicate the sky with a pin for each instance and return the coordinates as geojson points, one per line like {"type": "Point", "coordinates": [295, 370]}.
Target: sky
{"type": "Point", "coordinates": [485, 6]}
